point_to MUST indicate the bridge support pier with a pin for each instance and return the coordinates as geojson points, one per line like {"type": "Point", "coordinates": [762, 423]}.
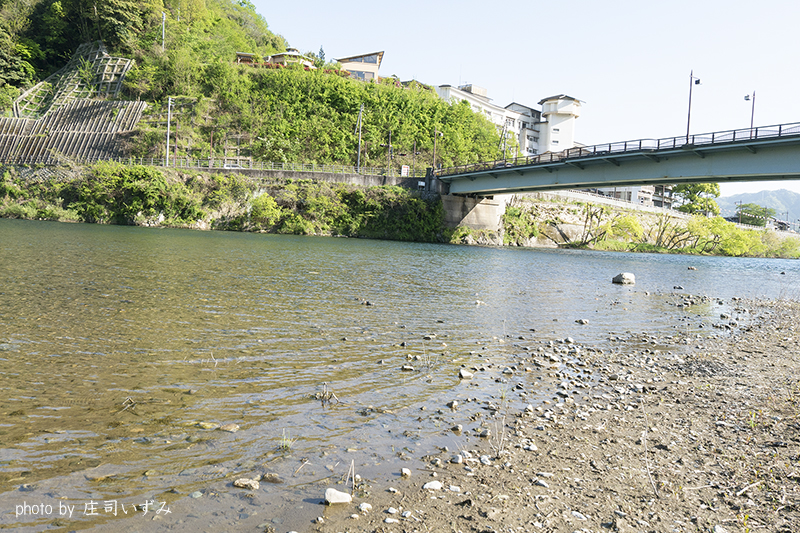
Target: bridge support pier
{"type": "Point", "coordinates": [475, 213]}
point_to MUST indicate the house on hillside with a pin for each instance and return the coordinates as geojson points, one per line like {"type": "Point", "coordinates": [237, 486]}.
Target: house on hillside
{"type": "Point", "coordinates": [362, 67]}
{"type": "Point", "coordinates": [289, 57]}
{"type": "Point", "coordinates": [245, 58]}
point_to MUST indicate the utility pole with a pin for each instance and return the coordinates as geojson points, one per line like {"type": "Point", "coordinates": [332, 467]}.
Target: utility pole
{"type": "Point", "coordinates": [413, 158]}
{"type": "Point", "coordinates": [388, 153]}
{"type": "Point", "coordinates": [739, 203]}
{"type": "Point", "coordinates": [435, 135]}
{"type": "Point", "coordinates": [169, 119]}
{"type": "Point", "coordinates": [358, 127]}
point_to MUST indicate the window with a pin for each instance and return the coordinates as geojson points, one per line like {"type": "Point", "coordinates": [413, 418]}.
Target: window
{"type": "Point", "coordinates": [556, 130]}
{"type": "Point", "coordinates": [364, 59]}
{"type": "Point", "coordinates": [555, 142]}
{"type": "Point", "coordinates": [363, 76]}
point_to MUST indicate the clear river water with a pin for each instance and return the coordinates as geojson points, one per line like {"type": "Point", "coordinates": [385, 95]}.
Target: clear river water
{"type": "Point", "coordinates": [122, 349]}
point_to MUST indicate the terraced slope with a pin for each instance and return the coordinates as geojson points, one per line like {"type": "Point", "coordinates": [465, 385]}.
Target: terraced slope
{"type": "Point", "coordinates": [70, 114]}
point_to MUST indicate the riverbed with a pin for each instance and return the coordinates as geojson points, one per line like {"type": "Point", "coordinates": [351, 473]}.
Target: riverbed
{"type": "Point", "coordinates": [124, 350]}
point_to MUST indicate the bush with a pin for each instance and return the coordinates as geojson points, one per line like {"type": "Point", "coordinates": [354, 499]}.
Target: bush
{"type": "Point", "coordinates": [264, 212]}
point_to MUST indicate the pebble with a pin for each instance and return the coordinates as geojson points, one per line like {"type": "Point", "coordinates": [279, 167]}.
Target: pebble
{"type": "Point", "coordinates": [364, 507]}
{"type": "Point", "coordinates": [391, 520]}
{"type": "Point", "coordinates": [230, 428]}
{"type": "Point", "coordinates": [196, 494]}
{"type": "Point", "coordinates": [578, 515]}
{"type": "Point", "coordinates": [456, 459]}
{"type": "Point", "coordinates": [485, 460]}
{"type": "Point", "coordinates": [333, 496]}
{"type": "Point", "coordinates": [392, 510]}
{"type": "Point", "coordinates": [271, 477]}
{"type": "Point", "coordinates": [405, 472]}
{"type": "Point", "coordinates": [463, 374]}
{"type": "Point", "coordinates": [432, 485]}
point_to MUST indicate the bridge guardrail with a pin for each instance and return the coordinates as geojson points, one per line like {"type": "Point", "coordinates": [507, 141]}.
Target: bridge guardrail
{"type": "Point", "coordinates": [639, 145]}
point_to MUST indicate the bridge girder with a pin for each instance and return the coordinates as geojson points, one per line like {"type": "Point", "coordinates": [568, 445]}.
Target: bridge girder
{"type": "Point", "coordinates": [757, 160]}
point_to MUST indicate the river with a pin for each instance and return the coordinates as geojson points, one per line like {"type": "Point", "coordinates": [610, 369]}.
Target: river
{"type": "Point", "coordinates": [123, 348]}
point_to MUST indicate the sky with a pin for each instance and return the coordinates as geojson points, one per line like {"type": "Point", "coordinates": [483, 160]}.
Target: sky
{"type": "Point", "coordinates": [628, 61]}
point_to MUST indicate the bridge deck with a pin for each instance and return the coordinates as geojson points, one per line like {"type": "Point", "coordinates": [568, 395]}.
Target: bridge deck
{"type": "Point", "coordinates": [637, 162]}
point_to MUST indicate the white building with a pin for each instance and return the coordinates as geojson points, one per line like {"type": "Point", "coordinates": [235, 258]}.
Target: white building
{"type": "Point", "coordinates": [549, 130]}
{"type": "Point", "coordinates": [648, 195]}
{"type": "Point", "coordinates": [559, 113]}
{"type": "Point", "coordinates": [529, 128]}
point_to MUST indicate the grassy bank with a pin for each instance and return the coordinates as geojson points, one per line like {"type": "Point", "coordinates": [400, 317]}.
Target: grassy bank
{"type": "Point", "coordinates": [109, 193]}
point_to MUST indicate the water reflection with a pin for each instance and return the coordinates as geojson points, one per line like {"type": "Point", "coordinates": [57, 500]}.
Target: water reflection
{"type": "Point", "coordinates": [121, 348]}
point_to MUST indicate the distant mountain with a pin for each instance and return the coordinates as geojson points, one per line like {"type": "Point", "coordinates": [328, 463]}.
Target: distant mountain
{"type": "Point", "coordinates": [781, 201]}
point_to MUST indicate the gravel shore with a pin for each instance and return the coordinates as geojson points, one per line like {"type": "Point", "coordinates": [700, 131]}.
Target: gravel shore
{"type": "Point", "coordinates": [661, 434]}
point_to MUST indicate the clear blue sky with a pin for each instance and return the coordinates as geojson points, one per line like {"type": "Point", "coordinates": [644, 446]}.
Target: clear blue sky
{"type": "Point", "coordinates": [627, 60]}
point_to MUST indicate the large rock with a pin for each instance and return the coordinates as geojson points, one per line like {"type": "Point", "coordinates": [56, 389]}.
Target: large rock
{"type": "Point", "coordinates": [625, 278]}
{"type": "Point", "coordinates": [333, 496]}
{"type": "Point", "coordinates": [244, 483]}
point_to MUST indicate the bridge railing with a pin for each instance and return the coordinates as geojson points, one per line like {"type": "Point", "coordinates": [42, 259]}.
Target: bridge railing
{"type": "Point", "coordinates": [639, 145]}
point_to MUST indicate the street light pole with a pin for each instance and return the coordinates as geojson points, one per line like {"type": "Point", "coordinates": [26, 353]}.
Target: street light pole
{"type": "Point", "coordinates": [692, 81]}
{"type": "Point", "coordinates": [752, 111]}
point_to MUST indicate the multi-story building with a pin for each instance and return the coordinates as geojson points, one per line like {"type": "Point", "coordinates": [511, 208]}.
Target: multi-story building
{"type": "Point", "coordinates": [536, 132]}
{"type": "Point", "coordinates": [550, 130]}
{"type": "Point", "coordinates": [559, 113]}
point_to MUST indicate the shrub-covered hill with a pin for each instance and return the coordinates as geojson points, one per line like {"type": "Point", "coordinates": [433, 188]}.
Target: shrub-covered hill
{"type": "Point", "coordinates": [224, 109]}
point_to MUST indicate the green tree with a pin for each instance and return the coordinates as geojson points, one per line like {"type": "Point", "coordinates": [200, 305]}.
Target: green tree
{"type": "Point", "coordinates": [697, 198]}
{"type": "Point", "coordinates": [754, 214]}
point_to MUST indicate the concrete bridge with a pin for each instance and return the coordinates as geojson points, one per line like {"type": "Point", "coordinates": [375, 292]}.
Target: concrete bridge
{"type": "Point", "coordinates": [757, 154]}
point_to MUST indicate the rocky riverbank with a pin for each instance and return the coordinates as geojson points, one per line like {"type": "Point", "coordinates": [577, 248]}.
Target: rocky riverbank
{"type": "Point", "coordinates": [664, 434]}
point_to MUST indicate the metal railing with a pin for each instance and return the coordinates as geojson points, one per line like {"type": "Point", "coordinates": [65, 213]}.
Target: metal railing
{"type": "Point", "coordinates": [639, 145]}
{"type": "Point", "coordinates": [221, 164]}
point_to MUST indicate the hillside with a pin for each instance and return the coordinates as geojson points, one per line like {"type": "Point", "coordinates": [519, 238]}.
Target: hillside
{"type": "Point", "coordinates": [223, 109]}
{"type": "Point", "coordinates": [782, 201]}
